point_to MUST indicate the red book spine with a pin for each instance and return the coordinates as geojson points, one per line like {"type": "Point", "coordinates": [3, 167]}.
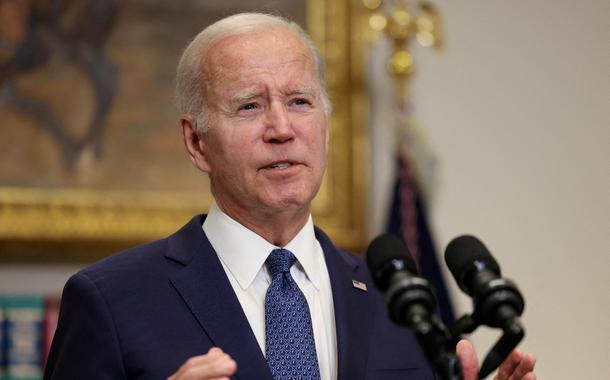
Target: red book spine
{"type": "Point", "coordinates": [51, 316]}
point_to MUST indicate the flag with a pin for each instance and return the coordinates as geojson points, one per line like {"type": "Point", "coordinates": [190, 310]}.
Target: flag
{"type": "Point", "coordinates": [407, 219]}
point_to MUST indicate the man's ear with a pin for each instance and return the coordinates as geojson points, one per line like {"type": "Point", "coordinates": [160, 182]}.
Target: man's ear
{"type": "Point", "coordinates": [194, 143]}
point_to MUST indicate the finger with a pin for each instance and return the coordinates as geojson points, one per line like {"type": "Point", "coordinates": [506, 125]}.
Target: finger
{"type": "Point", "coordinates": [207, 372]}
{"type": "Point", "coordinates": [509, 365]}
{"type": "Point", "coordinates": [213, 354]}
{"type": "Point", "coordinates": [223, 367]}
{"type": "Point", "coordinates": [194, 364]}
{"type": "Point", "coordinates": [468, 359]}
{"type": "Point", "coordinates": [525, 367]}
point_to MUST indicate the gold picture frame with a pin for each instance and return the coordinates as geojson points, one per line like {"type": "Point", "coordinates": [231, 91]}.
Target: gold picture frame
{"type": "Point", "coordinates": [67, 223]}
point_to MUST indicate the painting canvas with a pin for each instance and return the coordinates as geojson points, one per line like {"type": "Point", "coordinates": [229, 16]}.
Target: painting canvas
{"type": "Point", "coordinates": [90, 148]}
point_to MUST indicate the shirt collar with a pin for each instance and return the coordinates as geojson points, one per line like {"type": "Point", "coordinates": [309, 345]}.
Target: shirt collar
{"type": "Point", "coordinates": [243, 252]}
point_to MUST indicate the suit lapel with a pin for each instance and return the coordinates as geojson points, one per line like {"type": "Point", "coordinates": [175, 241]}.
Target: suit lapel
{"type": "Point", "coordinates": [353, 311]}
{"type": "Point", "coordinates": [206, 290]}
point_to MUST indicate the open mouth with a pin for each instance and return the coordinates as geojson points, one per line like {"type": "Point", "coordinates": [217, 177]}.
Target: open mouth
{"type": "Point", "coordinates": [285, 164]}
{"type": "Point", "coordinates": [281, 165]}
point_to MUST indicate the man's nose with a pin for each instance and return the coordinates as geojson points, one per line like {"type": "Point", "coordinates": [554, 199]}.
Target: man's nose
{"type": "Point", "coordinates": [279, 128]}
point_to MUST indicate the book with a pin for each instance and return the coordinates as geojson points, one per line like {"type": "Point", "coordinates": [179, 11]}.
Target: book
{"type": "Point", "coordinates": [51, 317]}
{"type": "Point", "coordinates": [23, 337]}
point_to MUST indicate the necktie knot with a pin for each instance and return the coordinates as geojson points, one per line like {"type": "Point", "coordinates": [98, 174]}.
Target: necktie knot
{"type": "Point", "coordinates": [280, 261]}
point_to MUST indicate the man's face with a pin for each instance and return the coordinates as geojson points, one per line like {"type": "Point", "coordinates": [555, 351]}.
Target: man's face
{"type": "Point", "coordinates": [267, 141]}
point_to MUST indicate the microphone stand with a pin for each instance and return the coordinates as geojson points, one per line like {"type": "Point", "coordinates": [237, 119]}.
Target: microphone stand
{"type": "Point", "coordinates": [512, 333]}
{"type": "Point", "coordinates": [411, 302]}
{"type": "Point", "coordinates": [436, 343]}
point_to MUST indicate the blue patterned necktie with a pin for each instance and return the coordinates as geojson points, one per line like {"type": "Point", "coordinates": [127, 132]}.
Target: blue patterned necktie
{"type": "Point", "coordinates": [291, 349]}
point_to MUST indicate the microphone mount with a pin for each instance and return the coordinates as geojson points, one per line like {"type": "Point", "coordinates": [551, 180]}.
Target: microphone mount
{"type": "Point", "coordinates": [499, 304]}
{"type": "Point", "coordinates": [414, 309]}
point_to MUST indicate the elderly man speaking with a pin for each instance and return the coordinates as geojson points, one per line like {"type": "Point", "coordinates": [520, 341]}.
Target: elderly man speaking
{"type": "Point", "coordinates": [253, 290]}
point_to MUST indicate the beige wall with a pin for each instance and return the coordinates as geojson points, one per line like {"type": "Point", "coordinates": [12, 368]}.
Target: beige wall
{"type": "Point", "coordinates": [35, 279]}
{"type": "Point", "coordinates": [517, 111]}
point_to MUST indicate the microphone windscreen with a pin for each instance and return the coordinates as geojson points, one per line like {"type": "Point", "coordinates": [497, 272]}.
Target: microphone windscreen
{"type": "Point", "coordinates": [462, 253]}
{"type": "Point", "coordinates": [385, 248]}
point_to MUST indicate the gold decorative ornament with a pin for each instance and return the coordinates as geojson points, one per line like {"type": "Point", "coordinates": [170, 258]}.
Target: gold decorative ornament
{"type": "Point", "coordinates": [402, 23]}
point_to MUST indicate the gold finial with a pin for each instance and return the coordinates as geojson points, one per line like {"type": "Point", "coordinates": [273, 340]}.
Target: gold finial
{"type": "Point", "coordinates": [401, 63]}
{"type": "Point", "coordinates": [403, 23]}
{"type": "Point", "coordinates": [400, 25]}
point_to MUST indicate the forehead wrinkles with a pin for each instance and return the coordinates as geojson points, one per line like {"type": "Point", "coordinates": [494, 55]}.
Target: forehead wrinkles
{"type": "Point", "coordinates": [240, 58]}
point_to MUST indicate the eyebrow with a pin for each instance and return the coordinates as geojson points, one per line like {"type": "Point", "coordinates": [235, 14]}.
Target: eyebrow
{"type": "Point", "coordinates": [302, 90]}
{"type": "Point", "coordinates": [245, 96]}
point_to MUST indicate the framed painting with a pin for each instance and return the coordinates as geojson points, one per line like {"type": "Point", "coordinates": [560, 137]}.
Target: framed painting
{"type": "Point", "coordinates": [91, 158]}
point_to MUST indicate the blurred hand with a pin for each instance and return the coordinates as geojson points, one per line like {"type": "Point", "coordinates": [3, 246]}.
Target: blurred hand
{"type": "Point", "coordinates": [215, 365]}
{"type": "Point", "coordinates": [517, 366]}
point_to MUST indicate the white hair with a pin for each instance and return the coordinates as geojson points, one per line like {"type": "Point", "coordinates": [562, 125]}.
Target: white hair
{"type": "Point", "coordinates": [189, 91]}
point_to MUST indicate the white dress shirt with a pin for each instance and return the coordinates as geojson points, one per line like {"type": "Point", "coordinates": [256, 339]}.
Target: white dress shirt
{"type": "Point", "coordinates": [243, 253]}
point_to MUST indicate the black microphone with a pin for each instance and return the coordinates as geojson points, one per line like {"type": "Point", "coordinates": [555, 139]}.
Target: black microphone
{"type": "Point", "coordinates": [409, 298]}
{"type": "Point", "coordinates": [411, 302]}
{"type": "Point", "coordinates": [497, 301]}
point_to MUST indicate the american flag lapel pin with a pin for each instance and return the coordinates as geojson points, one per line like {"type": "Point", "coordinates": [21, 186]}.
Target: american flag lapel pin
{"type": "Point", "coordinates": [359, 285]}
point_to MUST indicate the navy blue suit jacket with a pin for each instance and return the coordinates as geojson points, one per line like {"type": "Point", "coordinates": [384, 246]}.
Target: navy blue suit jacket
{"type": "Point", "coordinates": [142, 313]}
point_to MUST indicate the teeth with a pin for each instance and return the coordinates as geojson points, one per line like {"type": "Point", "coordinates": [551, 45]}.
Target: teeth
{"type": "Point", "coordinates": [281, 166]}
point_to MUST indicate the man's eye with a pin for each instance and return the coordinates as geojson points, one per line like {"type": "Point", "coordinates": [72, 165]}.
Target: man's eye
{"type": "Point", "coordinates": [248, 107]}
{"type": "Point", "coordinates": [300, 102]}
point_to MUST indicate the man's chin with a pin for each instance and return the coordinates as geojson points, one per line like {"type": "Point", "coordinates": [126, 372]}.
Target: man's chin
{"type": "Point", "coordinates": [290, 203]}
